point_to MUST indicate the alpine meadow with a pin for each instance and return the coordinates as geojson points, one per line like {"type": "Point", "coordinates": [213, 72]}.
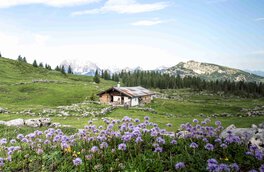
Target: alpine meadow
{"type": "Point", "coordinates": [132, 85]}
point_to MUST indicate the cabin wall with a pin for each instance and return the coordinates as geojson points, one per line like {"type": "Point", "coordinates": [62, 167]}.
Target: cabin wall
{"type": "Point", "coordinates": [146, 99]}
{"type": "Point", "coordinates": [134, 101]}
{"type": "Point", "coordinates": [105, 98]}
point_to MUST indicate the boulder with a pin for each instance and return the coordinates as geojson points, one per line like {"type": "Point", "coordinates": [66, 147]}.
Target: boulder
{"type": "Point", "coordinates": [258, 139]}
{"type": "Point", "coordinates": [2, 110]}
{"type": "Point", "coordinates": [244, 133]}
{"type": "Point", "coordinates": [45, 122]}
{"type": "Point", "coordinates": [55, 125]}
{"type": "Point", "coordinates": [2, 123]}
{"type": "Point", "coordinates": [15, 122]}
{"type": "Point", "coordinates": [33, 123]}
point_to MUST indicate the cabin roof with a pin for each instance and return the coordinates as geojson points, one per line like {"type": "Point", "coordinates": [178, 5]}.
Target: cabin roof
{"type": "Point", "coordinates": [130, 91]}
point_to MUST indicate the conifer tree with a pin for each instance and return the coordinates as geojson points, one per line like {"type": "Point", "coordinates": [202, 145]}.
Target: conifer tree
{"type": "Point", "coordinates": [70, 70]}
{"type": "Point", "coordinates": [0, 54]}
{"type": "Point", "coordinates": [63, 70]}
{"type": "Point", "coordinates": [35, 64]}
{"type": "Point", "coordinates": [58, 68]}
{"type": "Point", "coordinates": [96, 78]}
{"type": "Point", "coordinates": [24, 60]}
{"type": "Point", "coordinates": [20, 59]}
{"type": "Point", "coordinates": [41, 64]}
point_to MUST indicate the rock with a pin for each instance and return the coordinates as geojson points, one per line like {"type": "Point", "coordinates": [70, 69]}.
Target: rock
{"type": "Point", "coordinates": [45, 122]}
{"type": "Point", "coordinates": [55, 125]}
{"type": "Point", "coordinates": [15, 122]}
{"type": "Point", "coordinates": [2, 110]}
{"type": "Point", "coordinates": [2, 123]}
{"type": "Point", "coordinates": [33, 123]}
{"type": "Point", "coordinates": [258, 139]}
{"type": "Point", "coordinates": [261, 125]}
{"type": "Point", "coordinates": [254, 126]}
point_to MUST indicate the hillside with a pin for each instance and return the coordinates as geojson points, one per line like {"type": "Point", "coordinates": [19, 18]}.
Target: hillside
{"type": "Point", "coordinates": [23, 85]}
{"type": "Point", "coordinates": [212, 72]}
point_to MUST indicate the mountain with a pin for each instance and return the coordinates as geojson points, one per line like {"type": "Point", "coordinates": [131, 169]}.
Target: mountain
{"type": "Point", "coordinates": [256, 72]}
{"type": "Point", "coordinates": [81, 67]}
{"type": "Point", "coordinates": [209, 71]}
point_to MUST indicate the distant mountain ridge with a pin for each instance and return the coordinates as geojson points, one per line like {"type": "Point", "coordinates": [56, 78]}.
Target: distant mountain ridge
{"type": "Point", "coordinates": [209, 71]}
{"type": "Point", "coordinates": [191, 68]}
{"type": "Point", "coordinates": [81, 67]}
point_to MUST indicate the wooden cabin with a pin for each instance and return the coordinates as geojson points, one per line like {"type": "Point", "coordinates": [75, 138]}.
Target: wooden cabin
{"type": "Point", "coordinates": [130, 96]}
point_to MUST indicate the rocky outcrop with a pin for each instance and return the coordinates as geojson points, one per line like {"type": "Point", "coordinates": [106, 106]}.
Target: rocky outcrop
{"type": "Point", "coordinates": [253, 135]}
{"type": "Point", "coordinates": [2, 110]}
{"type": "Point", "coordinates": [37, 122]}
{"type": "Point", "coordinates": [15, 122]}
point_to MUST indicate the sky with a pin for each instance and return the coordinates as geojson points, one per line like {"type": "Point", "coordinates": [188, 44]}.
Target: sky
{"type": "Point", "coordinates": [131, 33]}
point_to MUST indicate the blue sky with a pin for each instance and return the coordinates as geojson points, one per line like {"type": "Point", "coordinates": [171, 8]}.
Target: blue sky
{"type": "Point", "coordinates": [147, 33]}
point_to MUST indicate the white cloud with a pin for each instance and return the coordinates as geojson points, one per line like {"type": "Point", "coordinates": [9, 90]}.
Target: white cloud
{"type": "Point", "coordinates": [41, 39]}
{"type": "Point", "coordinates": [125, 7]}
{"type": "Point", "coordinates": [54, 3]}
{"type": "Point", "coordinates": [259, 19]}
{"type": "Point", "coordinates": [148, 22]}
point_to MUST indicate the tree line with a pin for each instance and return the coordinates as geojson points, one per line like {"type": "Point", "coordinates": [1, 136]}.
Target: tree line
{"type": "Point", "coordinates": [154, 79]}
{"type": "Point", "coordinates": [59, 68]}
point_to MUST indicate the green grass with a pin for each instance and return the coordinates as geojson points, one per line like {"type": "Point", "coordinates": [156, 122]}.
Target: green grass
{"type": "Point", "coordinates": [70, 89]}
{"type": "Point", "coordinates": [18, 92]}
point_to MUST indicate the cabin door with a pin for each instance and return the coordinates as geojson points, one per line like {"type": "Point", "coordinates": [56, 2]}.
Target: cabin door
{"type": "Point", "coordinates": [122, 100]}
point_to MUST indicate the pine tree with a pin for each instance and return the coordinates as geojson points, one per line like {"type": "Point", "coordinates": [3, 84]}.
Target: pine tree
{"type": "Point", "coordinates": [58, 68]}
{"type": "Point", "coordinates": [35, 64]}
{"type": "Point", "coordinates": [41, 64]}
{"type": "Point", "coordinates": [96, 78]}
{"type": "Point", "coordinates": [63, 70]}
{"type": "Point", "coordinates": [0, 54]}
{"type": "Point", "coordinates": [20, 59]}
{"type": "Point", "coordinates": [24, 60]}
{"type": "Point", "coordinates": [70, 70]}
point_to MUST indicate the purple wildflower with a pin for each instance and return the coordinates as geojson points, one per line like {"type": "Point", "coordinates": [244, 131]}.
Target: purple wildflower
{"type": "Point", "coordinates": [40, 151]}
{"type": "Point", "coordinates": [138, 139]}
{"type": "Point", "coordinates": [122, 146]}
{"type": "Point", "coordinates": [77, 161]}
{"type": "Point", "coordinates": [169, 125]}
{"type": "Point", "coordinates": [146, 118]}
{"type": "Point", "coordinates": [194, 145]}
{"type": "Point", "coordinates": [160, 140]}
{"type": "Point", "coordinates": [218, 123]}
{"type": "Point", "coordinates": [25, 140]}
{"type": "Point", "coordinates": [13, 141]}
{"type": "Point", "coordinates": [3, 141]}
{"type": "Point", "coordinates": [174, 142]}
{"type": "Point", "coordinates": [212, 161]}
{"type": "Point", "coordinates": [261, 168]}
{"type": "Point", "coordinates": [223, 145]}
{"type": "Point", "coordinates": [2, 162]}
{"type": "Point", "coordinates": [179, 165]}
{"type": "Point", "coordinates": [212, 165]}
{"type": "Point", "coordinates": [94, 149]}
{"type": "Point", "coordinates": [223, 167]}
{"type": "Point", "coordinates": [20, 136]}
{"type": "Point", "coordinates": [195, 121]}
{"type": "Point", "coordinates": [136, 120]}
{"type": "Point", "coordinates": [209, 146]}
{"type": "Point", "coordinates": [258, 155]}
{"type": "Point", "coordinates": [103, 145]}
{"type": "Point", "coordinates": [205, 140]}
{"type": "Point", "coordinates": [158, 149]}
{"type": "Point", "coordinates": [234, 167]}
{"type": "Point", "coordinates": [89, 157]}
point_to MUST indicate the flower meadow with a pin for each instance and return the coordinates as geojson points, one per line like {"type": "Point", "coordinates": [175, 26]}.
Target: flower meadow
{"type": "Point", "coordinates": [131, 145]}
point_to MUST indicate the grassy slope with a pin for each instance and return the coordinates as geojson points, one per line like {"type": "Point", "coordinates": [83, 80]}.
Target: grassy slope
{"type": "Point", "coordinates": [72, 89]}
{"type": "Point", "coordinates": [66, 89]}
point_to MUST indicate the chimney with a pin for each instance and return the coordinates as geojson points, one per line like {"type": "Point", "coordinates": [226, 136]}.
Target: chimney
{"type": "Point", "coordinates": [118, 84]}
